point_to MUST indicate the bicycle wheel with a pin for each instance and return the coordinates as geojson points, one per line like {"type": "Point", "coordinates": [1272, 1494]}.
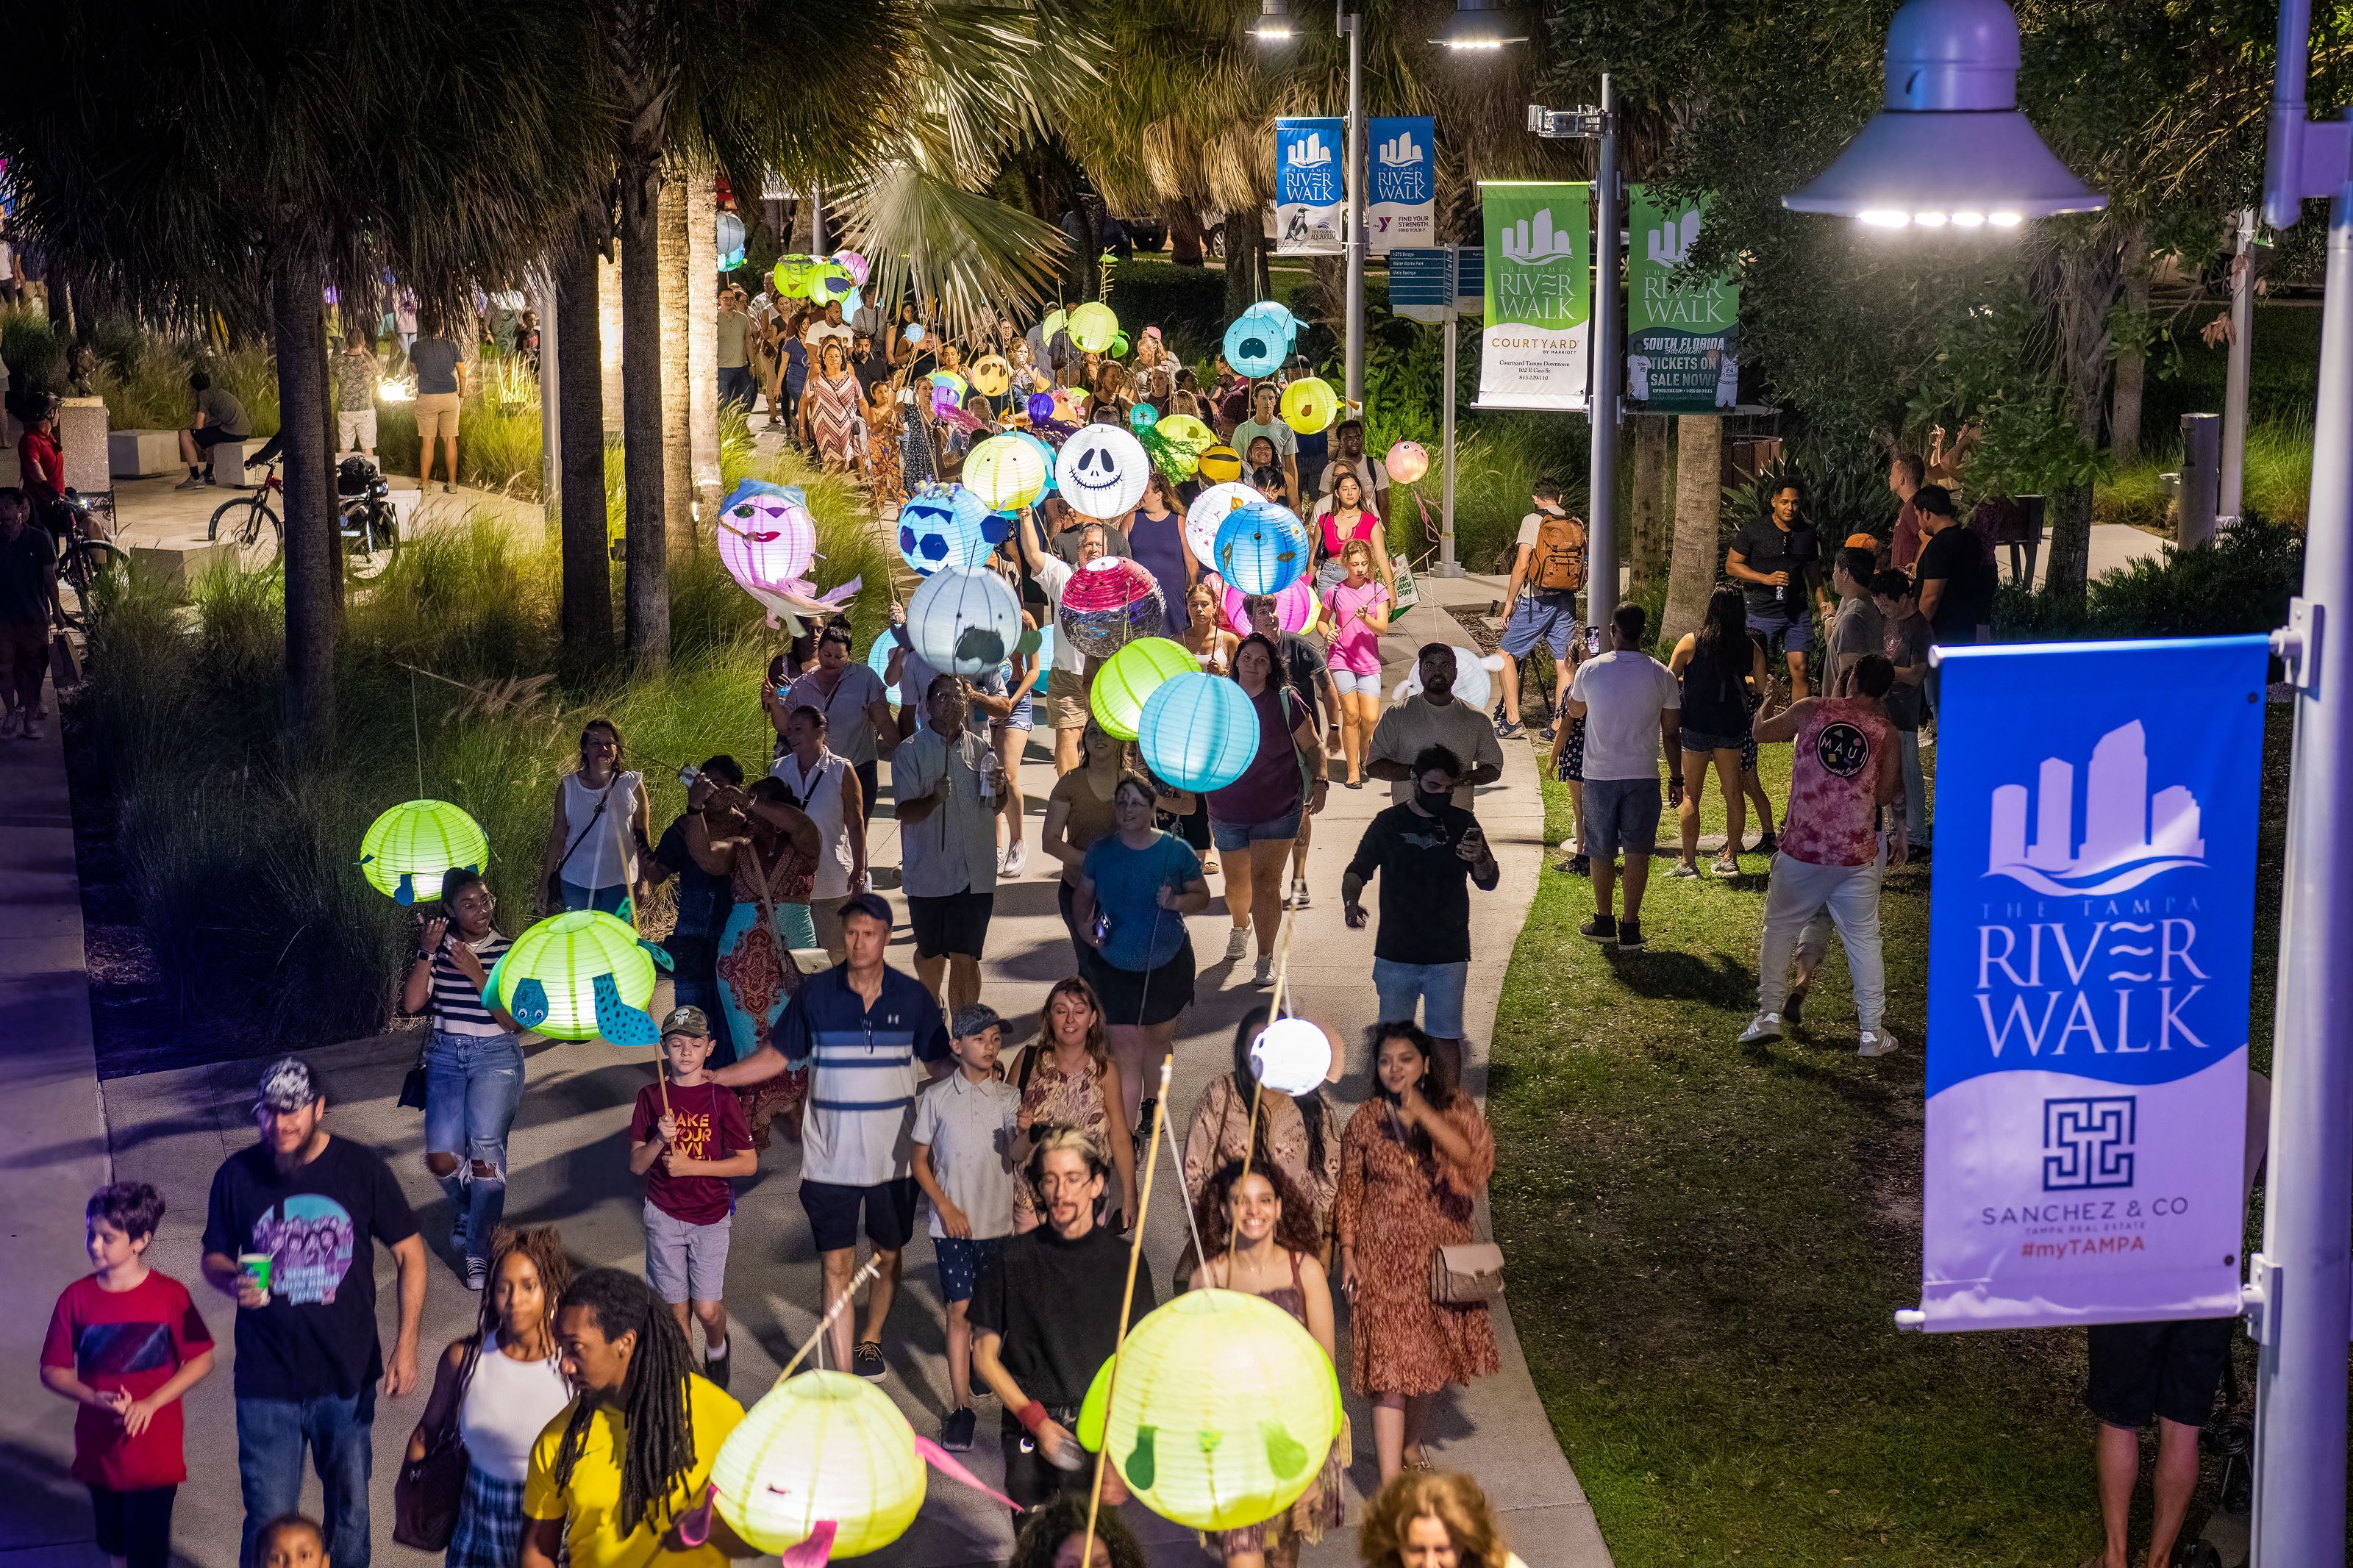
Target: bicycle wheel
{"type": "Point", "coordinates": [371, 539]}
{"type": "Point", "coordinates": [259, 537]}
{"type": "Point", "coordinates": [94, 570]}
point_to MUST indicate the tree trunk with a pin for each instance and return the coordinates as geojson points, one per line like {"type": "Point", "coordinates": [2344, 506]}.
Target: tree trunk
{"type": "Point", "coordinates": [314, 584]}
{"type": "Point", "coordinates": [1246, 274]}
{"type": "Point", "coordinates": [1649, 529]}
{"type": "Point", "coordinates": [2132, 370]}
{"type": "Point", "coordinates": [646, 616]}
{"type": "Point", "coordinates": [2078, 281]}
{"type": "Point", "coordinates": [702, 346]}
{"type": "Point", "coordinates": [677, 372]}
{"type": "Point", "coordinates": [580, 389]}
{"type": "Point", "coordinates": [1699, 506]}
{"type": "Point", "coordinates": [1184, 235]}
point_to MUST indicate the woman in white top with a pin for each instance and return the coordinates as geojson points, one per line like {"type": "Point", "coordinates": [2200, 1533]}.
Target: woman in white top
{"type": "Point", "coordinates": [602, 823]}
{"type": "Point", "coordinates": [829, 792]}
{"type": "Point", "coordinates": [499, 1387]}
{"type": "Point", "coordinates": [858, 724]}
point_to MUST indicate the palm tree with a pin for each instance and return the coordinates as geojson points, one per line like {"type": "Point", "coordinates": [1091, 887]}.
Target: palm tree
{"type": "Point", "coordinates": [276, 150]}
{"type": "Point", "coordinates": [1699, 504]}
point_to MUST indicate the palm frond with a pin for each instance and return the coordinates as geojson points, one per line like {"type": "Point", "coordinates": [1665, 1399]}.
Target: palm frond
{"type": "Point", "coordinates": [967, 250]}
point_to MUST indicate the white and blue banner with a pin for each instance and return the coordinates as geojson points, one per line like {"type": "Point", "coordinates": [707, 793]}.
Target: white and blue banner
{"type": "Point", "coordinates": [1311, 189]}
{"type": "Point", "coordinates": [2090, 937]}
{"type": "Point", "coordinates": [1401, 205]}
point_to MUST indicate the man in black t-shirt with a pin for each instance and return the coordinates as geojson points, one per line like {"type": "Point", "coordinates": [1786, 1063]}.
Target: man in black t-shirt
{"type": "Point", "coordinates": [305, 1210]}
{"type": "Point", "coordinates": [1045, 1316]}
{"type": "Point", "coordinates": [705, 899]}
{"type": "Point", "coordinates": [1777, 561]}
{"type": "Point", "coordinates": [1426, 850]}
{"type": "Point", "coordinates": [1956, 573]}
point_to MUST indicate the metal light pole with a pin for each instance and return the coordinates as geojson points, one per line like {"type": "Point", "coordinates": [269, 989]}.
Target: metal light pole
{"type": "Point", "coordinates": [2241, 361]}
{"type": "Point", "coordinates": [2300, 1297]}
{"type": "Point", "coordinates": [1601, 488]}
{"type": "Point", "coordinates": [1351, 25]}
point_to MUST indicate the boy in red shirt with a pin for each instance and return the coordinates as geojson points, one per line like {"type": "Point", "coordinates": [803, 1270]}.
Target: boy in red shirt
{"type": "Point", "coordinates": [124, 1344]}
{"type": "Point", "coordinates": [685, 1141]}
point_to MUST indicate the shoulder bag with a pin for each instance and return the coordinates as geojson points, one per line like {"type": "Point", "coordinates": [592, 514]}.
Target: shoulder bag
{"type": "Point", "coordinates": [427, 1493]}
{"type": "Point", "coordinates": [553, 891]}
{"type": "Point", "coordinates": [1468, 1272]}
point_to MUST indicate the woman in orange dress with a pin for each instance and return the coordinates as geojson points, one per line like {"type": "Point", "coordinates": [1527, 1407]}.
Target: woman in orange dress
{"type": "Point", "coordinates": [1412, 1164]}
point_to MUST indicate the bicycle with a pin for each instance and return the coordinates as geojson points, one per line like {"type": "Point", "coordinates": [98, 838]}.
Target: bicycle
{"type": "Point", "coordinates": [86, 562]}
{"type": "Point", "coordinates": [239, 521]}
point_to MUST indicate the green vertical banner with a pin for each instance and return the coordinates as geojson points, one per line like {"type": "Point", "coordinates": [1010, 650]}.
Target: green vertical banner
{"type": "Point", "coordinates": [1537, 348]}
{"type": "Point", "coordinates": [1683, 336]}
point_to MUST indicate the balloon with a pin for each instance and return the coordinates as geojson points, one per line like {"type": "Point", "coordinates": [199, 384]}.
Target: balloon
{"type": "Point", "coordinates": [1130, 676]}
{"type": "Point", "coordinates": [823, 1448]}
{"type": "Point", "coordinates": [1221, 465]}
{"type": "Point", "coordinates": [1257, 344]}
{"type": "Point", "coordinates": [963, 619]}
{"type": "Point", "coordinates": [992, 375]}
{"type": "Point", "coordinates": [1407, 462]}
{"type": "Point", "coordinates": [1295, 608]}
{"type": "Point", "coordinates": [1197, 731]}
{"type": "Point", "coordinates": [404, 851]}
{"type": "Point", "coordinates": [1292, 1055]}
{"type": "Point", "coordinates": [1262, 548]}
{"type": "Point", "coordinates": [1143, 416]}
{"type": "Point", "coordinates": [943, 528]}
{"type": "Point", "coordinates": [1472, 683]}
{"type": "Point", "coordinates": [547, 980]}
{"type": "Point", "coordinates": [767, 537]}
{"type": "Point", "coordinates": [1101, 471]}
{"type": "Point", "coordinates": [1092, 327]}
{"type": "Point", "coordinates": [1040, 405]}
{"type": "Point", "coordinates": [1224, 1411]}
{"type": "Point", "coordinates": [1308, 405]}
{"type": "Point", "coordinates": [1005, 472]}
{"type": "Point", "coordinates": [1109, 603]}
{"type": "Point", "coordinates": [849, 261]}
{"type": "Point", "coordinates": [1208, 512]}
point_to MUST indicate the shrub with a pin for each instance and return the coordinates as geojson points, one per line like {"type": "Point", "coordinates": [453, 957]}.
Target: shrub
{"type": "Point", "coordinates": [2240, 584]}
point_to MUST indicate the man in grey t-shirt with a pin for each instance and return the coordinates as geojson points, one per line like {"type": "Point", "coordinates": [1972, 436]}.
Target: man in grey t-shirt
{"type": "Point", "coordinates": [1855, 630]}
{"type": "Point", "coordinates": [220, 418]}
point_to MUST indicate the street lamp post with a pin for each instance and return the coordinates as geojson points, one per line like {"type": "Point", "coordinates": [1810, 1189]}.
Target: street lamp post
{"type": "Point", "coordinates": [1603, 404]}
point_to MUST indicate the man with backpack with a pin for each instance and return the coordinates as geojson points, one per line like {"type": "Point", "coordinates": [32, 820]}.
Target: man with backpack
{"type": "Point", "coordinates": [1548, 573]}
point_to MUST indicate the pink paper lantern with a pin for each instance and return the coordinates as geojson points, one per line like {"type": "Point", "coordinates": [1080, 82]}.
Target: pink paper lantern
{"type": "Point", "coordinates": [768, 542]}
{"type": "Point", "coordinates": [1407, 462]}
{"type": "Point", "coordinates": [1295, 608]}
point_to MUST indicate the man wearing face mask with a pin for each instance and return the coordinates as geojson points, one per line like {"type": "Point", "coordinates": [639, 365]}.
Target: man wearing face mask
{"type": "Point", "coordinates": [1434, 716]}
{"type": "Point", "coordinates": [1425, 850]}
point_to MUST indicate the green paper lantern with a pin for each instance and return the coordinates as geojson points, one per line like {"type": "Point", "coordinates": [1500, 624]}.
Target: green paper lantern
{"type": "Point", "coordinates": [405, 852]}
{"type": "Point", "coordinates": [1119, 345]}
{"type": "Point", "coordinates": [565, 954]}
{"type": "Point", "coordinates": [824, 1446]}
{"type": "Point", "coordinates": [1130, 676]}
{"type": "Point", "coordinates": [1225, 1410]}
{"type": "Point", "coordinates": [1056, 321]}
{"type": "Point", "coordinates": [1093, 327]}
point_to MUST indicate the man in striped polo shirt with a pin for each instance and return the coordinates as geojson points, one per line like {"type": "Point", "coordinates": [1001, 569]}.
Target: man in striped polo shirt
{"type": "Point", "coordinates": [873, 1031]}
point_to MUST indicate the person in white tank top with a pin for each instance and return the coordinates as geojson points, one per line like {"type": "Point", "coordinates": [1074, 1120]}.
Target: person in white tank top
{"type": "Point", "coordinates": [829, 791]}
{"type": "Point", "coordinates": [594, 860]}
{"type": "Point", "coordinates": [500, 1397]}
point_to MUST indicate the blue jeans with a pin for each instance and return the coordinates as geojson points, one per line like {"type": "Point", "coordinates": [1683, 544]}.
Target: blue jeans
{"type": "Point", "coordinates": [613, 900]}
{"type": "Point", "coordinates": [1915, 788]}
{"type": "Point", "coordinates": [271, 1436]}
{"type": "Point", "coordinates": [1436, 986]}
{"type": "Point", "coordinates": [472, 1084]}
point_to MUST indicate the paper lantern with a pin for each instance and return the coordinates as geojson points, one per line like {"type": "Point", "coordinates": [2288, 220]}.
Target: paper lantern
{"type": "Point", "coordinates": [849, 261]}
{"type": "Point", "coordinates": [877, 660]}
{"type": "Point", "coordinates": [1040, 405]}
{"type": "Point", "coordinates": [992, 374]}
{"type": "Point", "coordinates": [730, 237]}
{"type": "Point", "coordinates": [1208, 512]}
{"type": "Point", "coordinates": [911, 332]}
{"type": "Point", "coordinates": [1130, 676]}
{"type": "Point", "coordinates": [829, 282]}
{"type": "Point", "coordinates": [1119, 345]}
{"type": "Point", "coordinates": [956, 385]}
{"type": "Point", "coordinates": [1056, 321]}
{"type": "Point", "coordinates": [1220, 464]}
{"type": "Point", "coordinates": [404, 851]}
{"type": "Point", "coordinates": [1092, 327]}
{"type": "Point", "coordinates": [1309, 404]}
{"type": "Point", "coordinates": [1186, 428]}
{"type": "Point", "coordinates": [1199, 730]}
{"type": "Point", "coordinates": [1262, 548]}
{"type": "Point", "coordinates": [791, 275]}
{"type": "Point", "coordinates": [1045, 454]}
{"type": "Point", "coordinates": [1005, 472]}
{"type": "Point", "coordinates": [1101, 471]}
{"type": "Point", "coordinates": [548, 980]}
{"type": "Point", "coordinates": [822, 1447]}
{"type": "Point", "coordinates": [944, 527]}
{"type": "Point", "coordinates": [1257, 343]}
{"type": "Point", "coordinates": [767, 537]}
{"type": "Point", "coordinates": [1407, 462]}
{"type": "Point", "coordinates": [1143, 416]}
{"type": "Point", "coordinates": [1279, 314]}
{"type": "Point", "coordinates": [1224, 1410]}
{"type": "Point", "coordinates": [1296, 608]}
{"type": "Point", "coordinates": [963, 619]}
{"type": "Point", "coordinates": [1108, 604]}
{"type": "Point", "coordinates": [1292, 1055]}
{"type": "Point", "coordinates": [1472, 685]}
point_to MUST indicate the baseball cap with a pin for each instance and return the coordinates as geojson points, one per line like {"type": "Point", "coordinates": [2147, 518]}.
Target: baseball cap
{"type": "Point", "coordinates": [287, 1085]}
{"type": "Point", "coordinates": [687, 1021]}
{"type": "Point", "coordinates": [870, 905]}
{"type": "Point", "coordinates": [1862, 541]}
{"type": "Point", "coordinates": [972, 1020]}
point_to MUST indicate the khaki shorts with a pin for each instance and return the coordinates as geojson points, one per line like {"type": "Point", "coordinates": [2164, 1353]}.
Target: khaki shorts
{"type": "Point", "coordinates": [1066, 700]}
{"type": "Point", "coordinates": [355, 428]}
{"type": "Point", "coordinates": [436, 416]}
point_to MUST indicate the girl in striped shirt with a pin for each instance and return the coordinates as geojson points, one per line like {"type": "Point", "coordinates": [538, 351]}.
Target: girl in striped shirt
{"type": "Point", "coordinates": [474, 1064]}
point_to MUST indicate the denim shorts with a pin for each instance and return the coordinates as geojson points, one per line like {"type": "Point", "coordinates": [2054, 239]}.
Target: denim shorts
{"type": "Point", "coordinates": [1620, 814]}
{"type": "Point", "coordinates": [1547, 618]}
{"type": "Point", "coordinates": [472, 1084]}
{"type": "Point", "coordinates": [1436, 986]}
{"type": "Point", "coordinates": [1791, 622]}
{"type": "Point", "coordinates": [1705, 741]}
{"type": "Point", "coordinates": [1232, 837]}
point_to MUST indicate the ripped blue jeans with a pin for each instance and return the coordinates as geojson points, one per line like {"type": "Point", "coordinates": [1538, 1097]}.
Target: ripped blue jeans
{"type": "Point", "coordinates": [472, 1084]}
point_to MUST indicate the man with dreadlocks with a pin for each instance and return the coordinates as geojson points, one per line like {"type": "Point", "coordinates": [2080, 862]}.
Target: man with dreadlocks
{"type": "Point", "coordinates": [611, 1475]}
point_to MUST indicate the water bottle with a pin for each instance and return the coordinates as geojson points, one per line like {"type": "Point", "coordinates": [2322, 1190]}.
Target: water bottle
{"type": "Point", "coordinates": [992, 774]}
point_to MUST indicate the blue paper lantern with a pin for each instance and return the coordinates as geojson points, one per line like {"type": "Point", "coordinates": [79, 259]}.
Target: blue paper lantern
{"type": "Point", "coordinates": [1143, 418]}
{"type": "Point", "coordinates": [877, 660]}
{"type": "Point", "coordinates": [943, 528]}
{"type": "Point", "coordinates": [1259, 342]}
{"type": "Point", "coordinates": [1199, 730]}
{"type": "Point", "coordinates": [1262, 548]}
{"type": "Point", "coordinates": [963, 619]}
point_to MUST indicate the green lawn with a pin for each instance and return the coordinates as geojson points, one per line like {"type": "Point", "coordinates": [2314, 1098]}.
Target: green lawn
{"type": "Point", "coordinates": [1707, 1240]}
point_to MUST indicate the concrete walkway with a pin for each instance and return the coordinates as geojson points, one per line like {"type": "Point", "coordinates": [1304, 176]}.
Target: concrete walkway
{"type": "Point", "coordinates": [568, 1166]}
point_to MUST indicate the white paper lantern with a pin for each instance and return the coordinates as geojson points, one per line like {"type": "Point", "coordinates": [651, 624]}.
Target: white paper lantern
{"type": "Point", "coordinates": [963, 619]}
{"type": "Point", "coordinates": [1472, 683]}
{"type": "Point", "coordinates": [1292, 1055]}
{"type": "Point", "coordinates": [1102, 471]}
{"type": "Point", "coordinates": [1208, 511]}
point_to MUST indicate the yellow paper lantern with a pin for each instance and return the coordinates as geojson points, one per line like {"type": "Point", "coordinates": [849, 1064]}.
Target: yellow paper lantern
{"type": "Point", "coordinates": [1130, 676]}
{"type": "Point", "coordinates": [405, 852]}
{"type": "Point", "coordinates": [1224, 1409]}
{"type": "Point", "coordinates": [548, 980]}
{"type": "Point", "coordinates": [992, 374]}
{"type": "Point", "coordinates": [1186, 428]}
{"type": "Point", "coordinates": [1093, 327]}
{"type": "Point", "coordinates": [1309, 404]}
{"type": "Point", "coordinates": [820, 1447]}
{"type": "Point", "coordinates": [1005, 471]}
{"type": "Point", "coordinates": [1220, 464]}
{"type": "Point", "coordinates": [1056, 321]}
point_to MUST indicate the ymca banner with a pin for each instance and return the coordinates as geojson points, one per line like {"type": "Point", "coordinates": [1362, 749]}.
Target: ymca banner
{"type": "Point", "coordinates": [1310, 185]}
{"type": "Point", "coordinates": [1403, 196]}
{"type": "Point", "coordinates": [1537, 344]}
{"type": "Point", "coordinates": [1682, 338]}
{"type": "Point", "coordinates": [2089, 936]}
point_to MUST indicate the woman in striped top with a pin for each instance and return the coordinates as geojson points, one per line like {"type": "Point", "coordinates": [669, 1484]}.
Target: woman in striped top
{"type": "Point", "coordinates": [474, 1064]}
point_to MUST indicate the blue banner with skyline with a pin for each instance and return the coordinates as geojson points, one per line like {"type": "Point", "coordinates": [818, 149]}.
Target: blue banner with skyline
{"type": "Point", "coordinates": [1402, 202]}
{"type": "Point", "coordinates": [1311, 188]}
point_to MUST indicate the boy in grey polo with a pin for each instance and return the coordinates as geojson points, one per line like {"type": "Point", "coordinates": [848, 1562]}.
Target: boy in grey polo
{"type": "Point", "coordinates": [965, 1129]}
{"type": "Point", "coordinates": [1630, 707]}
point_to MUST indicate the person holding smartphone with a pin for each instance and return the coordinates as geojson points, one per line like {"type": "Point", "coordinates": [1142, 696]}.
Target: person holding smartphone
{"type": "Point", "coordinates": [474, 1064]}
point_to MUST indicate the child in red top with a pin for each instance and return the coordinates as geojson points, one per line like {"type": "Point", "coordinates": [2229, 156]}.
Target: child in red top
{"type": "Point", "coordinates": [686, 1138]}
{"type": "Point", "coordinates": [124, 1344]}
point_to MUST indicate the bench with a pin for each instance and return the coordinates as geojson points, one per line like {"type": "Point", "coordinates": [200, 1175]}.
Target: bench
{"type": "Point", "coordinates": [228, 461]}
{"type": "Point", "coordinates": [140, 454]}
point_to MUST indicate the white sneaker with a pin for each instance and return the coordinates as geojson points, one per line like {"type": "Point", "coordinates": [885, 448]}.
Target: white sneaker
{"type": "Point", "coordinates": [1764, 1026]}
{"type": "Point", "coordinates": [1016, 860]}
{"type": "Point", "coordinates": [1265, 969]}
{"type": "Point", "coordinates": [1876, 1044]}
{"type": "Point", "coordinates": [1238, 943]}
{"type": "Point", "coordinates": [1299, 895]}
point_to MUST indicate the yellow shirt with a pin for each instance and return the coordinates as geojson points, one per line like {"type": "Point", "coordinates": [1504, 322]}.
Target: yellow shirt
{"type": "Point", "coordinates": [589, 1505]}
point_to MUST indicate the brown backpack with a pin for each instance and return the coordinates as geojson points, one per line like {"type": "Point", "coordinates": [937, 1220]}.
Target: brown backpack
{"type": "Point", "coordinates": [1558, 564]}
